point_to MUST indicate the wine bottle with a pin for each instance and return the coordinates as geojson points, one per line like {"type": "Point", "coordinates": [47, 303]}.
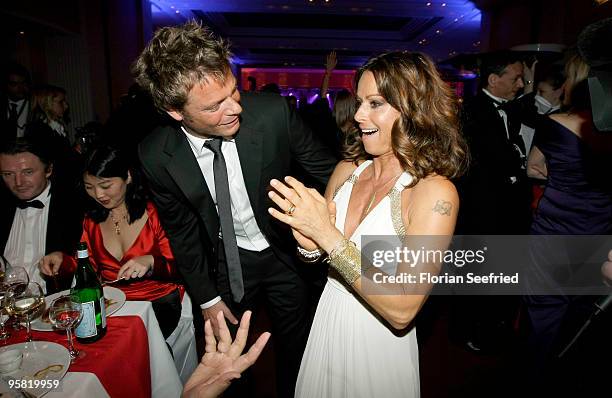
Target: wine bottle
{"type": "Point", "coordinates": [89, 290]}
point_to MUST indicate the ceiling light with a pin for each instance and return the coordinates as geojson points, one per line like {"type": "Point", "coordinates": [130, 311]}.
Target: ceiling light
{"type": "Point", "coordinates": [443, 4]}
{"type": "Point", "coordinates": [428, 4]}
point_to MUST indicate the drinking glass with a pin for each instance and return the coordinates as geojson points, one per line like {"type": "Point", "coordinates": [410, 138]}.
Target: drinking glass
{"type": "Point", "coordinates": [65, 313]}
{"type": "Point", "coordinates": [16, 278]}
{"type": "Point", "coordinates": [23, 301]}
{"type": "Point", "coordinates": [4, 266]}
{"type": "Point", "coordinates": [4, 334]}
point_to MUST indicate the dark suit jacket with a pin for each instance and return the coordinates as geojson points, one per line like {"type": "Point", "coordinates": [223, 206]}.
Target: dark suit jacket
{"type": "Point", "coordinates": [4, 118]}
{"type": "Point", "coordinates": [491, 203]}
{"type": "Point", "coordinates": [270, 137]}
{"type": "Point", "coordinates": [65, 223]}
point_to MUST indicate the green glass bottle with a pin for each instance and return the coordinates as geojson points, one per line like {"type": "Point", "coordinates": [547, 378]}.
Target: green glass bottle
{"type": "Point", "coordinates": [87, 286]}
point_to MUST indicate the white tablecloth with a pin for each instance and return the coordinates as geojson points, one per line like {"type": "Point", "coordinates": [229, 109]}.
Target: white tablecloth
{"type": "Point", "coordinates": [165, 381]}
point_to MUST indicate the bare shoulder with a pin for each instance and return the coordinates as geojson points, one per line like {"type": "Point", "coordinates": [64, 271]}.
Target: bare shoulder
{"type": "Point", "coordinates": [433, 200]}
{"type": "Point", "coordinates": [341, 173]}
{"type": "Point", "coordinates": [434, 189]}
{"type": "Point", "coordinates": [575, 122]}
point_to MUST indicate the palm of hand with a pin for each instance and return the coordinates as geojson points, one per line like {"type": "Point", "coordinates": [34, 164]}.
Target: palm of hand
{"type": "Point", "coordinates": [217, 370]}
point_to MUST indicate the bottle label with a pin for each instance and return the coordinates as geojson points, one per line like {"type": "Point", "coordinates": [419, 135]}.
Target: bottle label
{"type": "Point", "coordinates": [103, 311]}
{"type": "Point", "coordinates": [82, 253]}
{"type": "Point", "coordinates": [87, 327]}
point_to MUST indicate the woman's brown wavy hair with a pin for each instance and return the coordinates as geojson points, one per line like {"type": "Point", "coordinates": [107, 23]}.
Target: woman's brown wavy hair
{"type": "Point", "coordinates": [426, 137]}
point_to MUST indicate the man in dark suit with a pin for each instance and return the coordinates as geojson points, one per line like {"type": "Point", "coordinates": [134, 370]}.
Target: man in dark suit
{"type": "Point", "coordinates": [39, 215]}
{"type": "Point", "coordinates": [495, 193]}
{"type": "Point", "coordinates": [15, 112]}
{"type": "Point", "coordinates": [210, 173]}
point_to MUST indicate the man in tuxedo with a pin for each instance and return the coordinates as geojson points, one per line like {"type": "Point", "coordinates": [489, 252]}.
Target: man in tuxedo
{"type": "Point", "coordinates": [209, 174]}
{"type": "Point", "coordinates": [39, 215]}
{"type": "Point", "coordinates": [495, 193]}
{"type": "Point", "coordinates": [15, 112]}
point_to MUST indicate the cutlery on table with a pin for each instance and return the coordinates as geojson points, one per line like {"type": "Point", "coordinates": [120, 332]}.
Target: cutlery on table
{"type": "Point", "coordinates": [113, 281]}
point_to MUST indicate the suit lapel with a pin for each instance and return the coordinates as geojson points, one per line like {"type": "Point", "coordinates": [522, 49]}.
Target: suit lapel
{"type": "Point", "coordinates": [249, 144]}
{"type": "Point", "coordinates": [497, 120]}
{"type": "Point", "coordinates": [185, 171]}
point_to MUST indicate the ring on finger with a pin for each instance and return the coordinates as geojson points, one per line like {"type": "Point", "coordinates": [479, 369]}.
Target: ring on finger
{"type": "Point", "coordinates": [291, 210]}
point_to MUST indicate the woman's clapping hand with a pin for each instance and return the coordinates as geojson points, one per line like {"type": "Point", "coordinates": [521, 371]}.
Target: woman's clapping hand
{"type": "Point", "coordinates": [308, 213]}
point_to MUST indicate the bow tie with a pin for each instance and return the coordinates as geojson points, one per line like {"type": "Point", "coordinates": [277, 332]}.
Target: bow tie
{"type": "Point", "coordinates": [504, 106]}
{"type": "Point", "coordinates": [37, 204]}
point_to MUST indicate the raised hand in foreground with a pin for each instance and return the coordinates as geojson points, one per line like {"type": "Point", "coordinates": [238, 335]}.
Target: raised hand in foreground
{"type": "Point", "coordinates": [223, 361]}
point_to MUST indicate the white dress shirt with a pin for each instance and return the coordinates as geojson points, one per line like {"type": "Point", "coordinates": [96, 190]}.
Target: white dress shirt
{"type": "Point", "coordinates": [26, 243]}
{"type": "Point", "coordinates": [248, 234]}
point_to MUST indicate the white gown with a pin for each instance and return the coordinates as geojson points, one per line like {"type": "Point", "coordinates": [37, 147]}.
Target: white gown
{"type": "Point", "coordinates": [350, 352]}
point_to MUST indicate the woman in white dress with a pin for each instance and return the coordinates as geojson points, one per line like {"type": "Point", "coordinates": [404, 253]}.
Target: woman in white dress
{"type": "Point", "coordinates": [394, 182]}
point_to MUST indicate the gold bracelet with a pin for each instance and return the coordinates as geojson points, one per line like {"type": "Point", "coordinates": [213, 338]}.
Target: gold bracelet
{"type": "Point", "coordinates": [346, 259]}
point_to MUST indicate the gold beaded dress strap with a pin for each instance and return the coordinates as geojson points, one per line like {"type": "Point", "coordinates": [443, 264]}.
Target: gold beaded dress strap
{"type": "Point", "coordinates": [395, 199]}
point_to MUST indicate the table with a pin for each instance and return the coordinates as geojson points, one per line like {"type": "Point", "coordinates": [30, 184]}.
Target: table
{"type": "Point", "coordinates": [132, 360]}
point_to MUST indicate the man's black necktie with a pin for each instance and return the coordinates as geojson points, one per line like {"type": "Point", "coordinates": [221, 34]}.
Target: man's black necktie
{"type": "Point", "coordinates": [13, 120]}
{"type": "Point", "coordinates": [224, 206]}
{"type": "Point", "coordinates": [37, 204]}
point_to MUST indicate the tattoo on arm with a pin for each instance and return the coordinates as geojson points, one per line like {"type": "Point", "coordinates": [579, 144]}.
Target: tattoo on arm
{"type": "Point", "coordinates": [443, 207]}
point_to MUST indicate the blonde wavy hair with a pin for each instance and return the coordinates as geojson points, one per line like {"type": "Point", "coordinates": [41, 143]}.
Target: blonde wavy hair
{"type": "Point", "coordinates": [42, 102]}
{"type": "Point", "coordinates": [575, 90]}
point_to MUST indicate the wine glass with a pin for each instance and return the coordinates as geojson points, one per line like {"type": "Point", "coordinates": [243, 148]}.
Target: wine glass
{"type": "Point", "coordinates": [17, 278]}
{"type": "Point", "coordinates": [4, 266]}
{"type": "Point", "coordinates": [4, 334]}
{"type": "Point", "coordinates": [23, 301]}
{"type": "Point", "coordinates": [64, 313]}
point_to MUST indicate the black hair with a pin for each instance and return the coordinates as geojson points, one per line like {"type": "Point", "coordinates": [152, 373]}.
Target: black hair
{"type": "Point", "coordinates": [23, 145]}
{"type": "Point", "coordinates": [270, 88]}
{"type": "Point", "coordinates": [551, 74]}
{"type": "Point", "coordinates": [14, 68]}
{"type": "Point", "coordinates": [496, 63]}
{"type": "Point", "coordinates": [108, 162]}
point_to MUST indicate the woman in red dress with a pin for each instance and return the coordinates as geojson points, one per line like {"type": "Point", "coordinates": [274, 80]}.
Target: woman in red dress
{"type": "Point", "coordinates": [125, 238]}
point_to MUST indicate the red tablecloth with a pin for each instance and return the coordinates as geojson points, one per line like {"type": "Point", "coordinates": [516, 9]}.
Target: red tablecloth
{"type": "Point", "coordinates": [120, 359]}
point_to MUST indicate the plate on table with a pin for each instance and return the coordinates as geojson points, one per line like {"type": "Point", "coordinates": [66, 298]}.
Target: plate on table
{"type": "Point", "coordinates": [114, 297]}
{"type": "Point", "coordinates": [44, 365]}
